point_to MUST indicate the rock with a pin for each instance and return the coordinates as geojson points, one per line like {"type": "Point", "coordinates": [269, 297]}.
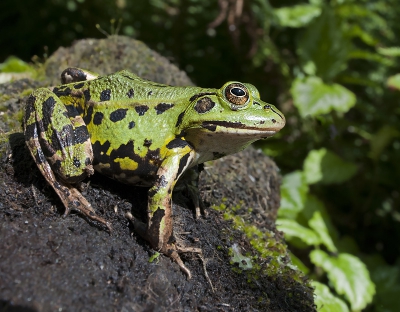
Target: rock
{"type": "Point", "coordinates": [50, 263]}
{"type": "Point", "coordinates": [106, 56]}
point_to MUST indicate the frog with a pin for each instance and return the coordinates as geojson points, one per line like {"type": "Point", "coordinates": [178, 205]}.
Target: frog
{"type": "Point", "coordinates": [140, 132]}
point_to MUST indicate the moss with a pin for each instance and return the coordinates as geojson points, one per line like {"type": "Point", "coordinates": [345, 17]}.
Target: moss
{"type": "Point", "coordinates": [3, 138]}
{"type": "Point", "coordinates": [4, 97]}
{"type": "Point", "coordinates": [270, 254]}
{"type": "Point", "coordinates": [26, 92]}
{"type": "Point", "coordinates": [3, 143]}
{"type": "Point", "coordinates": [13, 121]}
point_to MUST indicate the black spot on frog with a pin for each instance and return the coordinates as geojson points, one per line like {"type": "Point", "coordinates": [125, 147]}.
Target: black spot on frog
{"type": "Point", "coordinates": [118, 114]}
{"type": "Point", "coordinates": [131, 93]}
{"type": "Point", "coordinates": [162, 107]}
{"type": "Point", "coordinates": [98, 118]}
{"type": "Point", "coordinates": [141, 109]}
{"type": "Point", "coordinates": [105, 95]}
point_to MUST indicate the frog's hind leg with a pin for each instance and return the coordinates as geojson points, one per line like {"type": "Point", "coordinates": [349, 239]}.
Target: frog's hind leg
{"type": "Point", "coordinates": [60, 146]}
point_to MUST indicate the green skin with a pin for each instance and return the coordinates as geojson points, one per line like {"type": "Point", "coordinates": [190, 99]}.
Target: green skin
{"type": "Point", "coordinates": [140, 132]}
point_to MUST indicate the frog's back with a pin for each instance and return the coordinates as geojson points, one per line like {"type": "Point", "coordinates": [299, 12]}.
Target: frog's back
{"type": "Point", "coordinates": [124, 86]}
{"type": "Point", "coordinates": [130, 122]}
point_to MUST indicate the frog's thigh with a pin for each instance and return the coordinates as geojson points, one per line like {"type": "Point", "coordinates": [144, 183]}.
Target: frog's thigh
{"type": "Point", "coordinates": [41, 150]}
{"type": "Point", "coordinates": [62, 136]}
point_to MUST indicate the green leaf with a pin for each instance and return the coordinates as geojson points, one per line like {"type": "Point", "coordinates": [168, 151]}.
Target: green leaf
{"type": "Point", "coordinates": [298, 263]}
{"type": "Point", "coordinates": [297, 15]}
{"type": "Point", "coordinates": [356, 31]}
{"type": "Point", "coordinates": [317, 223]}
{"type": "Point", "coordinates": [324, 44]}
{"type": "Point", "coordinates": [263, 12]}
{"type": "Point", "coordinates": [292, 228]}
{"type": "Point", "coordinates": [294, 190]}
{"type": "Point", "coordinates": [313, 97]}
{"type": "Point", "coordinates": [370, 18]}
{"type": "Point", "coordinates": [347, 244]}
{"type": "Point", "coordinates": [348, 275]}
{"type": "Point", "coordinates": [394, 82]}
{"type": "Point", "coordinates": [312, 205]}
{"type": "Point", "coordinates": [374, 57]}
{"type": "Point", "coordinates": [326, 301]}
{"type": "Point", "coordinates": [155, 257]}
{"type": "Point", "coordinates": [392, 51]}
{"type": "Point", "coordinates": [357, 79]}
{"type": "Point", "coordinates": [387, 281]}
{"type": "Point", "coordinates": [326, 167]}
{"type": "Point", "coordinates": [381, 139]}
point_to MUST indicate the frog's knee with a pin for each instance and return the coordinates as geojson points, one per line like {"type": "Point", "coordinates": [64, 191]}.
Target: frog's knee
{"type": "Point", "coordinates": [72, 159]}
{"type": "Point", "coordinates": [72, 170]}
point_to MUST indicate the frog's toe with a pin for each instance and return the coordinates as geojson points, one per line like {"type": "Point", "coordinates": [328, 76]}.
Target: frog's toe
{"type": "Point", "coordinates": [170, 250]}
{"type": "Point", "coordinates": [201, 209]}
{"type": "Point", "coordinates": [173, 251]}
{"type": "Point", "coordinates": [194, 195]}
{"type": "Point", "coordinates": [66, 212]}
{"type": "Point", "coordinates": [173, 254]}
{"type": "Point", "coordinates": [74, 200]}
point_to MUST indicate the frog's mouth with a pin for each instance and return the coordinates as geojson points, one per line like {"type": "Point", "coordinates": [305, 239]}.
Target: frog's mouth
{"type": "Point", "coordinates": [212, 126]}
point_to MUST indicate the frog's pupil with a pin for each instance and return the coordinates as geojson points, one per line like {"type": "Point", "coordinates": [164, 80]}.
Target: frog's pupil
{"type": "Point", "coordinates": [238, 92]}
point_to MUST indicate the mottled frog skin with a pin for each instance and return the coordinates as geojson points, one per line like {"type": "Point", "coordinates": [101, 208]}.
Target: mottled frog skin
{"type": "Point", "coordinates": [139, 132]}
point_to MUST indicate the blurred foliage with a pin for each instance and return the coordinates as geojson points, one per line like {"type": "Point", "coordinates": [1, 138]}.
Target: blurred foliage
{"type": "Point", "coordinates": [332, 67]}
{"type": "Point", "coordinates": [14, 65]}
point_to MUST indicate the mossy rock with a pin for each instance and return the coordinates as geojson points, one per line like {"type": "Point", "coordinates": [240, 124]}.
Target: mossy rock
{"type": "Point", "coordinates": [106, 56]}
{"type": "Point", "coordinates": [49, 262]}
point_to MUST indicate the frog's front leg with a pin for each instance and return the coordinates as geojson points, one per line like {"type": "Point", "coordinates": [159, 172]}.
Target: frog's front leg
{"type": "Point", "coordinates": [189, 182]}
{"type": "Point", "coordinates": [59, 142]}
{"type": "Point", "coordinates": [159, 227]}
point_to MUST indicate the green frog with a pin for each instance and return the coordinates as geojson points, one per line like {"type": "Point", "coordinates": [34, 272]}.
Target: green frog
{"type": "Point", "coordinates": [141, 133]}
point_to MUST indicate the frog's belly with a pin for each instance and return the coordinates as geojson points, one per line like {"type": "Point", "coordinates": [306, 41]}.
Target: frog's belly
{"type": "Point", "coordinates": [125, 166]}
{"type": "Point", "coordinates": [127, 176]}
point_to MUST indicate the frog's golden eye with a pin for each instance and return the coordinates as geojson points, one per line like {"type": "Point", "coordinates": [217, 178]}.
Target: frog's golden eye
{"type": "Point", "coordinates": [237, 94]}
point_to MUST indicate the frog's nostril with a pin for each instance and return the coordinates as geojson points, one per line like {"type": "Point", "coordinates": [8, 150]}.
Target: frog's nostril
{"type": "Point", "coordinates": [267, 106]}
{"type": "Point", "coordinates": [273, 120]}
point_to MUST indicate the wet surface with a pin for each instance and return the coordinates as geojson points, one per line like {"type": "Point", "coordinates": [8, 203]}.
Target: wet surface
{"type": "Point", "coordinates": [50, 263]}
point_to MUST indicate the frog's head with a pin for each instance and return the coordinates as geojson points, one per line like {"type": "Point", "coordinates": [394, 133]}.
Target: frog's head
{"type": "Point", "coordinates": [235, 110]}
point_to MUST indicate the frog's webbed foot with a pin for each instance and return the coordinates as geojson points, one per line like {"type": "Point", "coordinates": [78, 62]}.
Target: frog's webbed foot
{"type": "Point", "coordinates": [74, 200]}
{"type": "Point", "coordinates": [71, 197]}
{"type": "Point", "coordinates": [173, 251]}
{"type": "Point", "coordinates": [170, 250]}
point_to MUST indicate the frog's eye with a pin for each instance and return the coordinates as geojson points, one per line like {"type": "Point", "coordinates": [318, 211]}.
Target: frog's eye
{"type": "Point", "coordinates": [237, 94]}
